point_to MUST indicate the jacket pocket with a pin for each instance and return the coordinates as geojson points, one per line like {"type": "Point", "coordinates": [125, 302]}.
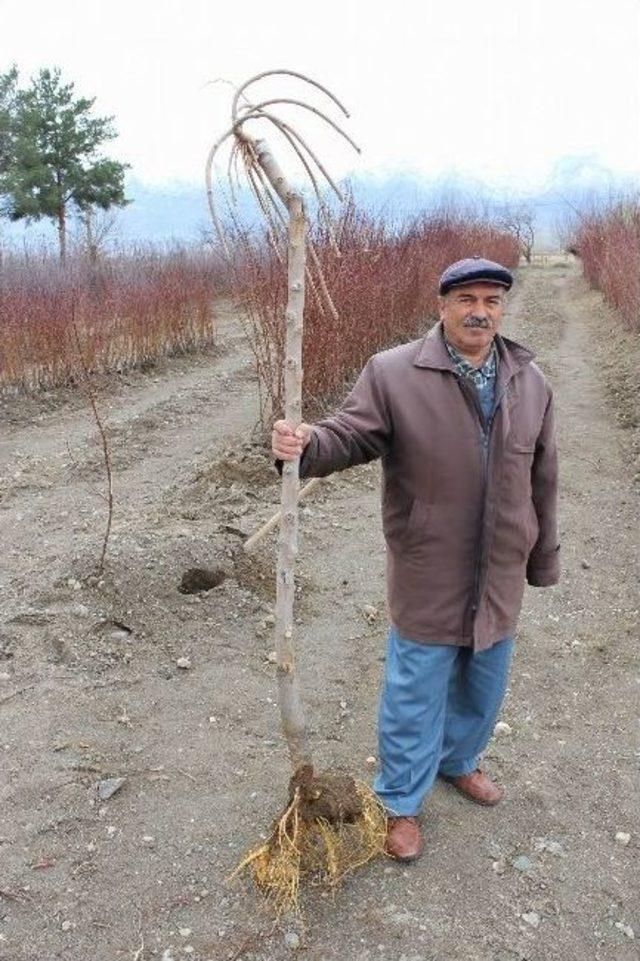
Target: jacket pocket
{"type": "Point", "coordinates": [534, 526]}
{"type": "Point", "coordinates": [518, 463]}
{"type": "Point", "coordinates": [417, 525]}
{"type": "Point", "coordinates": [521, 447]}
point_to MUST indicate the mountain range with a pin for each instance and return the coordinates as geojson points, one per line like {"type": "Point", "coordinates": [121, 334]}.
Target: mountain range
{"type": "Point", "coordinates": [179, 213]}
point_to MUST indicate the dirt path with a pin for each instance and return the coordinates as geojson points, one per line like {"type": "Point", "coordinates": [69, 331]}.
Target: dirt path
{"type": "Point", "coordinates": [84, 698]}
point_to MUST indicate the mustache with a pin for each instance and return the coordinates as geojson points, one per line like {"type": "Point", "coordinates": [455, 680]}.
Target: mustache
{"type": "Point", "coordinates": [473, 321]}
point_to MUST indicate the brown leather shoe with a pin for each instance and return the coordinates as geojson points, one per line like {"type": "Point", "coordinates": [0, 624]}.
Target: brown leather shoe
{"type": "Point", "coordinates": [477, 787]}
{"type": "Point", "coordinates": [404, 839]}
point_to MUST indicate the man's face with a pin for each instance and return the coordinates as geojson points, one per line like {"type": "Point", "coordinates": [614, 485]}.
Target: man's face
{"type": "Point", "coordinates": [471, 315]}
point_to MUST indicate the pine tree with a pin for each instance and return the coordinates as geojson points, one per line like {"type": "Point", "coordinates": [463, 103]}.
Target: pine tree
{"type": "Point", "coordinates": [8, 88]}
{"type": "Point", "coordinates": [54, 159]}
{"type": "Point", "coordinates": [8, 82]}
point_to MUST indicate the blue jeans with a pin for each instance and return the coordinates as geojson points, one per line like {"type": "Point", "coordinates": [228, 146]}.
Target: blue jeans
{"type": "Point", "coordinates": [438, 707]}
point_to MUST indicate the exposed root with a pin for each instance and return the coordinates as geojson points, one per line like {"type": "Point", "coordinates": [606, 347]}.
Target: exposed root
{"type": "Point", "coordinates": [331, 826]}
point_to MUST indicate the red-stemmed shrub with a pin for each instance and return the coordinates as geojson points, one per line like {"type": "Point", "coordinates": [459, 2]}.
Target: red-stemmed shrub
{"type": "Point", "coordinates": [608, 244]}
{"type": "Point", "coordinates": [129, 309]}
{"type": "Point", "coordinates": [383, 284]}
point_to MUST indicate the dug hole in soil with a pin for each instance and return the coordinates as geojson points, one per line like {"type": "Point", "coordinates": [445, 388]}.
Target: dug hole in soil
{"type": "Point", "coordinates": [141, 748]}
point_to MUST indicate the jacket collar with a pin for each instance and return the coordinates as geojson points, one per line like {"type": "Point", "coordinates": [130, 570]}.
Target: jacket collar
{"type": "Point", "coordinates": [433, 353]}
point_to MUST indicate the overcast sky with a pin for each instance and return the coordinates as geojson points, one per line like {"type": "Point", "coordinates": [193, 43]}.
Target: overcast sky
{"type": "Point", "coordinates": [495, 89]}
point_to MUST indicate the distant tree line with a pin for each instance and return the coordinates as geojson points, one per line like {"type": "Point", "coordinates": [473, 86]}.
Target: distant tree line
{"type": "Point", "coordinates": [51, 163]}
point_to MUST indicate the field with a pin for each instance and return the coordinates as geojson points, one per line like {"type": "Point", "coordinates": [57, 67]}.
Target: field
{"type": "Point", "coordinates": [124, 311]}
{"type": "Point", "coordinates": [124, 676]}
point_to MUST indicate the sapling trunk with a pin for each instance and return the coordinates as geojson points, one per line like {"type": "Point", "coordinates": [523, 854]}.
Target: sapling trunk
{"type": "Point", "coordinates": [290, 701]}
{"type": "Point", "coordinates": [89, 391]}
{"type": "Point", "coordinates": [293, 721]}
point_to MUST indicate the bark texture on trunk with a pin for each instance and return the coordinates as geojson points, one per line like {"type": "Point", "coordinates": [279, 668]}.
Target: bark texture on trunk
{"type": "Point", "coordinates": [290, 701]}
{"type": "Point", "coordinates": [293, 720]}
{"type": "Point", "coordinates": [62, 233]}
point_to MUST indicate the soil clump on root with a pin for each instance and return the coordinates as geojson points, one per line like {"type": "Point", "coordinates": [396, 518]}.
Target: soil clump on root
{"type": "Point", "coordinates": [331, 826]}
{"type": "Point", "coordinates": [332, 797]}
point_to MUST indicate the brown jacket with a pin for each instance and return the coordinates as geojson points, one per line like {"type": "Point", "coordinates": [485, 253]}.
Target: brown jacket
{"type": "Point", "coordinates": [464, 528]}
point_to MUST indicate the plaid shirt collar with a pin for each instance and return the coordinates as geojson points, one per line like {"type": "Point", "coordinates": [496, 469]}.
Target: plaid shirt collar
{"type": "Point", "coordinates": [481, 376]}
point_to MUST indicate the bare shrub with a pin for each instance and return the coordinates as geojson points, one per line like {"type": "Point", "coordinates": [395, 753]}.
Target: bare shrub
{"type": "Point", "coordinates": [518, 220]}
{"type": "Point", "coordinates": [608, 244]}
{"type": "Point", "coordinates": [130, 308]}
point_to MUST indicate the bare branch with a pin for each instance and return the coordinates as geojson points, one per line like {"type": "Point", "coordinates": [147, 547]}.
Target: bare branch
{"type": "Point", "coordinates": [209, 181]}
{"type": "Point", "coordinates": [314, 257]}
{"type": "Point", "coordinates": [284, 127]}
{"type": "Point", "coordinates": [284, 73]}
{"type": "Point", "coordinates": [232, 168]}
{"type": "Point", "coordinates": [268, 189]}
{"type": "Point", "coordinates": [266, 212]}
{"type": "Point", "coordinates": [307, 106]}
{"type": "Point", "coordinates": [322, 281]}
{"type": "Point", "coordinates": [90, 394]}
{"type": "Point", "coordinates": [325, 213]}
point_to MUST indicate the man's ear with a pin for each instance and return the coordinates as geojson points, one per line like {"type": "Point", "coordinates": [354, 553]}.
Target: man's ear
{"type": "Point", "coordinates": [441, 303]}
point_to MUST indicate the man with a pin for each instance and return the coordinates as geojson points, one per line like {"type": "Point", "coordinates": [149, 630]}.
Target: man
{"type": "Point", "coordinates": [463, 422]}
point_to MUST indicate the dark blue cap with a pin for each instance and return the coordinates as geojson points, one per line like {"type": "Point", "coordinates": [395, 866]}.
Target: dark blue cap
{"type": "Point", "coordinates": [472, 269]}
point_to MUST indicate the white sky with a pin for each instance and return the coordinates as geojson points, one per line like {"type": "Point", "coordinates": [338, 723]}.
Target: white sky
{"type": "Point", "coordinates": [497, 89]}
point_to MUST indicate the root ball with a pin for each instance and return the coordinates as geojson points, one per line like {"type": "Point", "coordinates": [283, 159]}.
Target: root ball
{"type": "Point", "coordinates": [331, 826]}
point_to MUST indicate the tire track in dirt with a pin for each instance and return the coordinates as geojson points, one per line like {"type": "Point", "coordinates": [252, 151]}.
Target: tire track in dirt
{"type": "Point", "coordinates": [52, 475]}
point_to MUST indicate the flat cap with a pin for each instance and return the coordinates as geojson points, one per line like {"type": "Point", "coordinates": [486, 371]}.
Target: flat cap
{"type": "Point", "coordinates": [472, 269]}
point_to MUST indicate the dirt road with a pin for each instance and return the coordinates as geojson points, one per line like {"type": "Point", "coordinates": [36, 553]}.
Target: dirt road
{"type": "Point", "coordinates": [90, 687]}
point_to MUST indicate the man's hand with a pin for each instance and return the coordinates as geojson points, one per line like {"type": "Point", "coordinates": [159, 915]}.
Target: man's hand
{"type": "Point", "coordinates": [287, 443]}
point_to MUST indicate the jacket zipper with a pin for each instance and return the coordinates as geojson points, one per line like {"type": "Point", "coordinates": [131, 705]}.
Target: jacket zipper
{"type": "Point", "coordinates": [485, 441]}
